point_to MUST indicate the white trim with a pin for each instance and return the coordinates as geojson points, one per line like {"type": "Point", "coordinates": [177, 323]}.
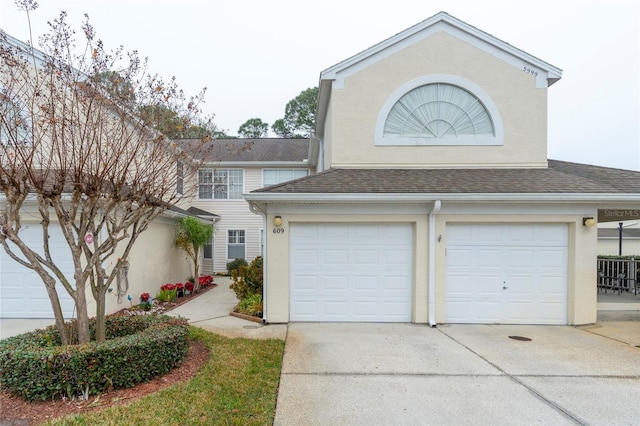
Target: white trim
{"type": "Point", "coordinates": [474, 89]}
{"type": "Point", "coordinates": [544, 73]}
{"type": "Point", "coordinates": [227, 242]}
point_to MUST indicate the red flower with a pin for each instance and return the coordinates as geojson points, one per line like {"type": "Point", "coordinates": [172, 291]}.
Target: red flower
{"type": "Point", "coordinates": [189, 286]}
{"type": "Point", "coordinates": [180, 286]}
{"type": "Point", "coordinates": [144, 297]}
{"type": "Point", "coordinates": [168, 287]}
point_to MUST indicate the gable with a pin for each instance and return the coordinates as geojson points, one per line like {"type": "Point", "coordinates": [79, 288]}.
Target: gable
{"type": "Point", "coordinates": [360, 93]}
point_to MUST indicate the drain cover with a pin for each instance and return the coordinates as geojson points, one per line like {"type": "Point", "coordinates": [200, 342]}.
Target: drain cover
{"type": "Point", "coordinates": [524, 339]}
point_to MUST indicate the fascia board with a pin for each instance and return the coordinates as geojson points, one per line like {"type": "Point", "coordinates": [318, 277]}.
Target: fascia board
{"type": "Point", "coordinates": [239, 164]}
{"type": "Point", "coordinates": [399, 198]}
{"type": "Point", "coordinates": [547, 73]}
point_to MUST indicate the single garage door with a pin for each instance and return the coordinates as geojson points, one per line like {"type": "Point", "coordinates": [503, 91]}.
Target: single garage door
{"type": "Point", "coordinates": [22, 292]}
{"type": "Point", "coordinates": [509, 274]}
{"type": "Point", "coordinates": [351, 272]}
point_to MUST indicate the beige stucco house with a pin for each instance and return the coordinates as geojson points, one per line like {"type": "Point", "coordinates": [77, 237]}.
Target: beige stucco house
{"type": "Point", "coordinates": [435, 201]}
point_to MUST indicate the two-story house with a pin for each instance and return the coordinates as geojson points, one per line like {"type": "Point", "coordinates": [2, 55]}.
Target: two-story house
{"type": "Point", "coordinates": [232, 167]}
{"type": "Point", "coordinates": [434, 200]}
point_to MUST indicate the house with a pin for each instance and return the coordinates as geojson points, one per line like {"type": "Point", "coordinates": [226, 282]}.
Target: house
{"type": "Point", "coordinates": [23, 293]}
{"type": "Point", "coordinates": [434, 200]}
{"type": "Point", "coordinates": [230, 168]}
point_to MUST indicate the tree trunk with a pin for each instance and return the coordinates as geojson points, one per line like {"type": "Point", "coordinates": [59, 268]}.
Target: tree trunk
{"type": "Point", "coordinates": [101, 328]}
{"type": "Point", "coordinates": [84, 336]}
{"type": "Point", "coordinates": [57, 311]}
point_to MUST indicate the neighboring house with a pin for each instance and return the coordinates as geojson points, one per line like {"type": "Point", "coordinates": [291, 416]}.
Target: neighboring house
{"type": "Point", "coordinates": [610, 243]}
{"type": "Point", "coordinates": [434, 200]}
{"type": "Point", "coordinates": [233, 167]}
{"type": "Point", "coordinates": [22, 292]}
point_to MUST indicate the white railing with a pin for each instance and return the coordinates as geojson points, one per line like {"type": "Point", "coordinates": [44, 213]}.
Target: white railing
{"type": "Point", "coordinates": [620, 275]}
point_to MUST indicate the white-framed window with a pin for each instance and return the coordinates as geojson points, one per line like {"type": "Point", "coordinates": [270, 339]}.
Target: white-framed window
{"type": "Point", "coordinates": [439, 110]}
{"type": "Point", "coordinates": [179, 178]}
{"type": "Point", "coordinates": [236, 244]}
{"type": "Point", "coordinates": [15, 126]}
{"type": "Point", "coordinates": [275, 176]}
{"type": "Point", "coordinates": [220, 184]}
{"type": "Point", "coordinates": [207, 251]}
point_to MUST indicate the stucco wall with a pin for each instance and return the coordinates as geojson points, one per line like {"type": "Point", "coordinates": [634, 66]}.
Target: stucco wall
{"type": "Point", "coordinates": [355, 109]}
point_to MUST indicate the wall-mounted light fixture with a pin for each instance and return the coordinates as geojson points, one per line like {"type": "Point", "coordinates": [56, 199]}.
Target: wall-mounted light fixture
{"type": "Point", "coordinates": [588, 221]}
{"type": "Point", "coordinates": [277, 221]}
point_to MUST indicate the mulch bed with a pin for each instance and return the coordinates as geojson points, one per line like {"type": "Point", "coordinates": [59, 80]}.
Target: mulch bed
{"type": "Point", "coordinates": [15, 411]}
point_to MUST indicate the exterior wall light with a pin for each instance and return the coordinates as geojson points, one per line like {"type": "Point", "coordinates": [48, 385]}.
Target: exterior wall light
{"type": "Point", "coordinates": [588, 221]}
{"type": "Point", "coordinates": [277, 221]}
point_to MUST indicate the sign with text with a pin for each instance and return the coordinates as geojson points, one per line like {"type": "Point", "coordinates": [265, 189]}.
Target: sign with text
{"type": "Point", "coordinates": [618, 215]}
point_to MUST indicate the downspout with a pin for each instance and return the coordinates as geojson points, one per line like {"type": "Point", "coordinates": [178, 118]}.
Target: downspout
{"type": "Point", "coordinates": [437, 204]}
{"type": "Point", "coordinates": [254, 209]}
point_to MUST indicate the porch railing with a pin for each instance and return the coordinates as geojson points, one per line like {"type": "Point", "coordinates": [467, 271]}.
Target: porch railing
{"type": "Point", "coordinates": [619, 275]}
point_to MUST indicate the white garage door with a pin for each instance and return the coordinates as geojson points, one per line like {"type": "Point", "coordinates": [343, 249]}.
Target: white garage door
{"type": "Point", "coordinates": [22, 292]}
{"type": "Point", "coordinates": [351, 272]}
{"type": "Point", "coordinates": [509, 274]}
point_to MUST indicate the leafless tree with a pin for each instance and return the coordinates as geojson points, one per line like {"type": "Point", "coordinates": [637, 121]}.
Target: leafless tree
{"type": "Point", "coordinates": [72, 145]}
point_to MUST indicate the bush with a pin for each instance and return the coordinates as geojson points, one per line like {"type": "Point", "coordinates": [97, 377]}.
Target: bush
{"type": "Point", "coordinates": [138, 348]}
{"type": "Point", "coordinates": [236, 264]}
{"type": "Point", "coordinates": [252, 305]}
{"type": "Point", "coordinates": [247, 280]}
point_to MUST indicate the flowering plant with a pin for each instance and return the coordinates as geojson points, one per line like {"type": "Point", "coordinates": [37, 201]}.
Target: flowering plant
{"type": "Point", "coordinates": [205, 280]}
{"type": "Point", "coordinates": [168, 287]}
{"type": "Point", "coordinates": [167, 293]}
{"type": "Point", "coordinates": [144, 297]}
{"type": "Point", "coordinates": [189, 286]}
{"type": "Point", "coordinates": [180, 286]}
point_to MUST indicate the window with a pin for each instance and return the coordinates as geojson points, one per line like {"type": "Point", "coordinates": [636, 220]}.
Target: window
{"type": "Point", "coordinates": [236, 244]}
{"type": "Point", "coordinates": [14, 121]}
{"type": "Point", "coordinates": [180, 178]}
{"type": "Point", "coordinates": [274, 176]}
{"type": "Point", "coordinates": [207, 251]}
{"type": "Point", "coordinates": [439, 110]}
{"type": "Point", "coordinates": [225, 184]}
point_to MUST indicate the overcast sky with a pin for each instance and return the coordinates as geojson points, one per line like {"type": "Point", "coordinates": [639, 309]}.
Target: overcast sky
{"type": "Point", "coordinates": [255, 56]}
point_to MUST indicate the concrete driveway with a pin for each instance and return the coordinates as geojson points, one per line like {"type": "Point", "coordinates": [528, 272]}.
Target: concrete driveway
{"type": "Point", "coordinates": [392, 374]}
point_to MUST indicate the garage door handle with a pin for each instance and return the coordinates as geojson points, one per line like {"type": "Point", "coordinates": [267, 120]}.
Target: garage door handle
{"type": "Point", "coordinates": [505, 287]}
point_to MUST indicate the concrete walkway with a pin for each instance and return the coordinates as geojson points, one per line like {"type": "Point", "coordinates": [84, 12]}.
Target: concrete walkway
{"type": "Point", "coordinates": [210, 311]}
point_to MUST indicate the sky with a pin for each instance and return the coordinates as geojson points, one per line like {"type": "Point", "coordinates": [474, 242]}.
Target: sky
{"type": "Point", "coordinates": [254, 56]}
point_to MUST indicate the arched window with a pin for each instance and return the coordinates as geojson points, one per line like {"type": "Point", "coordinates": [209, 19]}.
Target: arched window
{"type": "Point", "coordinates": [430, 111]}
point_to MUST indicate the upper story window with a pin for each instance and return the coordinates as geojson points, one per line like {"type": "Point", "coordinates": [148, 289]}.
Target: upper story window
{"type": "Point", "coordinates": [220, 184]}
{"type": "Point", "coordinates": [275, 176]}
{"type": "Point", "coordinates": [439, 110]}
{"type": "Point", "coordinates": [14, 121]}
{"type": "Point", "coordinates": [179, 178]}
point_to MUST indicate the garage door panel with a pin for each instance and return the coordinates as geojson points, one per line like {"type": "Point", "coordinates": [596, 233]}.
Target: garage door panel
{"type": "Point", "coordinates": [363, 272]}
{"type": "Point", "coordinates": [521, 268]}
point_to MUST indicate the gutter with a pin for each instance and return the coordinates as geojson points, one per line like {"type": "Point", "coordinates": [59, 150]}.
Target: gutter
{"type": "Point", "coordinates": [437, 205]}
{"type": "Point", "coordinates": [256, 210]}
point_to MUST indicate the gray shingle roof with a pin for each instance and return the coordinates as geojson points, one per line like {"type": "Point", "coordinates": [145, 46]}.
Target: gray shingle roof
{"type": "Point", "coordinates": [248, 150]}
{"type": "Point", "coordinates": [559, 177]}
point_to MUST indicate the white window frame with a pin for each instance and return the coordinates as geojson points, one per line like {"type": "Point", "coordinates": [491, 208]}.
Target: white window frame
{"type": "Point", "coordinates": [492, 110]}
{"type": "Point", "coordinates": [244, 243]}
{"type": "Point", "coordinates": [180, 178]}
{"type": "Point", "coordinates": [222, 178]}
{"type": "Point", "coordinates": [279, 179]}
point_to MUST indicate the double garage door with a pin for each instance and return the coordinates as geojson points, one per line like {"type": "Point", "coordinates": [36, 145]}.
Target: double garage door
{"type": "Point", "coordinates": [22, 292]}
{"type": "Point", "coordinates": [502, 273]}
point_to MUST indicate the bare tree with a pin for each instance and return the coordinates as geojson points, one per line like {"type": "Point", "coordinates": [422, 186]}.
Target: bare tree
{"type": "Point", "coordinates": [76, 149]}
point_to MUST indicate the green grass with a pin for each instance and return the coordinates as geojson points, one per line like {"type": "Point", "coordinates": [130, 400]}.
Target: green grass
{"type": "Point", "coordinates": [238, 386]}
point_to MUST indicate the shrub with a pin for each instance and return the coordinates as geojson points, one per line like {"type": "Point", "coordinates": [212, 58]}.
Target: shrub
{"type": "Point", "coordinates": [167, 293]}
{"type": "Point", "coordinates": [236, 264]}
{"type": "Point", "coordinates": [35, 366]}
{"type": "Point", "coordinates": [251, 305]}
{"type": "Point", "coordinates": [247, 280]}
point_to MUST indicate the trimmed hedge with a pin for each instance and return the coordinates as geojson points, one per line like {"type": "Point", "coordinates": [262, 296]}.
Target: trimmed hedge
{"type": "Point", "coordinates": [138, 348]}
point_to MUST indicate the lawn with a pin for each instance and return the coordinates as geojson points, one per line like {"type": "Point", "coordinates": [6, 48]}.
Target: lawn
{"type": "Point", "coordinates": [238, 386]}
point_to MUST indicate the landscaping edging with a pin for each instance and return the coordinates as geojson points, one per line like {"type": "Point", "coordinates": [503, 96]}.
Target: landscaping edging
{"type": "Point", "coordinates": [246, 317]}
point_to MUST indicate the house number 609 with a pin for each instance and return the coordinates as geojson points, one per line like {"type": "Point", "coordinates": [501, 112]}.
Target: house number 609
{"type": "Point", "coordinates": [278, 230]}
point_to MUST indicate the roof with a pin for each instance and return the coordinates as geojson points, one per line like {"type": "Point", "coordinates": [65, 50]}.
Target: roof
{"type": "Point", "coordinates": [249, 150]}
{"type": "Point", "coordinates": [611, 233]}
{"type": "Point", "coordinates": [559, 178]}
{"type": "Point", "coordinates": [547, 74]}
